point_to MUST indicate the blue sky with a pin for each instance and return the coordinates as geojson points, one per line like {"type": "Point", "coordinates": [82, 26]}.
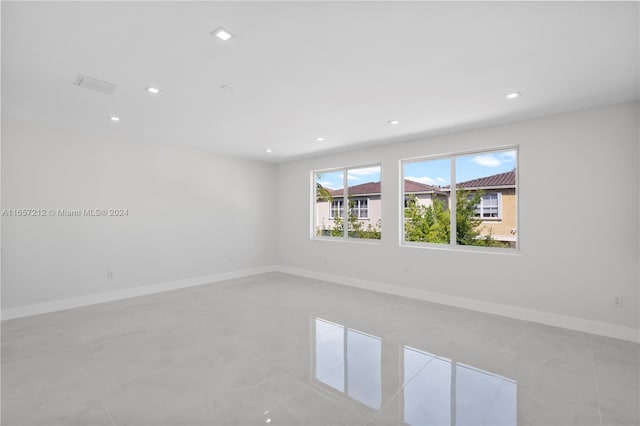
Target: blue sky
{"type": "Point", "coordinates": [431, 172]}
{"type": "Point", "coordinates": [334, 180]}
{"type": "Point", "coordinates": [438, 172]}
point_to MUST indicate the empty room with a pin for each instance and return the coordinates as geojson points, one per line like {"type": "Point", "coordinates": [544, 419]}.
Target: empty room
{"type": "Point", "coordinates": [320, 213]}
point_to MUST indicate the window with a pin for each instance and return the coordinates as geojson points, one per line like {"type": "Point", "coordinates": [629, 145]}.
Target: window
{"type": "Point", "coordinates": [357, 189]}
{"type": "Point", "coordinates": [336, 209]}
{"type": "Point", "coordinates": [489, 206]}
{"type": "Point", "coordinates": [426, 201]}
{"type": "Point", "coordinates": [360, 208]}
{"type": "Point", "coordinates": [461, 200]}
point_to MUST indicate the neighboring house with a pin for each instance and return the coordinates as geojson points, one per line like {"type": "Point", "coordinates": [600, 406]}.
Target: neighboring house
{"type": "Point", "coordinates": [497, 209]}
{"type": "Point", "coordinates": [367, 205]}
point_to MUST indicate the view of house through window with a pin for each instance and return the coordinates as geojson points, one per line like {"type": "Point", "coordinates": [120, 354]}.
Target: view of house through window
{"type": "Point", "coordinates": [483, 203]}
{"type": "Point", "coordinates": [426, 199]}
{"type": "Point", "coordinates": [351, 213]}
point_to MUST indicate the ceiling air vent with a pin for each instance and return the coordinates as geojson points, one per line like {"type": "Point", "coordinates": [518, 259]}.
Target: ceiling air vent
{"type": "Point", "coordinates": [95, 84]}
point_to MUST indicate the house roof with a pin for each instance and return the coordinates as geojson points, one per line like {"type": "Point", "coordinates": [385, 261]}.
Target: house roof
{"type": "Point", "coordinates": [411, 187]}
{"type": "Point", "coordinates": [369, 188]}
{"type": "Point", "coordinates": [362, 189]}
{"type": "Point", "coordinates": [501, 179]}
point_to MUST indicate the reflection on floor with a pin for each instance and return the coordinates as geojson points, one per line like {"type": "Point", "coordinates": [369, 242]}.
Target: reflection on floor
{"type": "Point", "coordinates": [280, 349]}
{"type": "Point", "coordinates": [436, 390]}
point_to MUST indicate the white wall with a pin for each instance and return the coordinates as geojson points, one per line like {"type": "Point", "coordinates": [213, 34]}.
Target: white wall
{"type": "Point", "coordinates": [578, 225]}
{"type": "Point", "coordinates": [191, 214]}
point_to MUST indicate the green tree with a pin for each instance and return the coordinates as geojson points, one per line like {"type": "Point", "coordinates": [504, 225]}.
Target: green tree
{"type": "Point", "coordinates": [427, 223]}
{"type": "Point", "coordinates": [487, 240]}
{"type": "Point", "coordinates": [337, 228]}
{"type": "Point", "coordinates": [432, 223]}
{"type": "Point", "coordinates": [356, 227]}
{"type": "Point", "coordinates": [467, 223]}
{"type": "Point", "coordinates": [323, 193]}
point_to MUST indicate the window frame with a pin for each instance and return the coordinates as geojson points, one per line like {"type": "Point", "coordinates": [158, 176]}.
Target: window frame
{"type": "Point", "coordinates": [345, 197]}
{"type": "Point", "coordinates": [453, 245]}
{"type": "Point", "coordinates": [339, 208]}
{"type": "Point", "coordinates": [360, 208]}
{"type": "Point", "coordinates": [498, 206]}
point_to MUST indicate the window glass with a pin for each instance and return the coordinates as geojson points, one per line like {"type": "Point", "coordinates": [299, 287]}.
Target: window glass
{"type": "Point", "coordinates": [480, 210]}
{"type": "Point", "coordinates": [426, 201]}
{"type": "Point", "coordinates": [486, 199]}
{"type": "Point", "coordinates": [365, 203]}
{"type": "Point", "coordinates": [354, 211]}
{"type": "Point", "coordinates": [329, 204]}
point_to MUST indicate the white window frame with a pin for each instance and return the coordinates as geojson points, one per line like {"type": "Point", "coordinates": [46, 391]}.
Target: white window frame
{"type": "Point", "coordinates": [482, 207]}
{"type": "Point", "coordinates": [345, 198]}
{"type": "Point", "coordinates": [453, 245]}
{"type": "Point", "coordinates": [340, 208]}
{"type": "Point", "coordinates": [360, 208]}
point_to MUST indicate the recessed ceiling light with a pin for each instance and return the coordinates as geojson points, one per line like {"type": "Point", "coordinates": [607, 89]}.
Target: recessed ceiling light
{"type": "Point", "coordinates": [153, 90]}
{"type": "Point", "coordinates": [319, 139]}
{"type": "Point", "coordinates": [269, 151]}
{"type": "Point", "coordinates": [223, 34]}
{"type": "Point", "coordinates": [512, 95]}
{"type": "Point", "coordinates": [114, 118]}
{"type": "Point", "coordinates": [394, 122]}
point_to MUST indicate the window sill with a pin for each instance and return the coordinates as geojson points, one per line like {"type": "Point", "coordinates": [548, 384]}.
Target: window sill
{"type": "Point", "coordinates": [370, 241]}
{"type": "Point", "coordinates": [464, 249]}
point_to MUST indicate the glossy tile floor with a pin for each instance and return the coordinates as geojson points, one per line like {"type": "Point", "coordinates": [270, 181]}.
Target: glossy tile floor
{"type": "Point", "coordinates": [279, 349]}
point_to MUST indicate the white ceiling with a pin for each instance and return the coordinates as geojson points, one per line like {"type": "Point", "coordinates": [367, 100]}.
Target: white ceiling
{"type": "Point", "coordinates": [300, 70]}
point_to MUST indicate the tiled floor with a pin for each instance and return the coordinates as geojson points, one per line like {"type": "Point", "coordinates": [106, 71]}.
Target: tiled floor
{"type": "Point", "coordinates": [279, 349]}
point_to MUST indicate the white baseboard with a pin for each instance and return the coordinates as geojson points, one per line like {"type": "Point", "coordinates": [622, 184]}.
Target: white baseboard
{"type": "Point", "coordinates": [556, 320]}
{"type": "Point", "coordinates": [547, 318]}
{"type": "Point", "coordinates": [92, 299]}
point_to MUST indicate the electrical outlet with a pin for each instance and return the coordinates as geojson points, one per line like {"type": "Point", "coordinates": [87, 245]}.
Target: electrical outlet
{"type": "Point", "coordinates": [326, 262]}
{"type": "Point", "coordinates": [110, 275]}
{"type": "Point", "coordinates": [617, 301]}
{"type": "Point", "coordinates": [406, 270]}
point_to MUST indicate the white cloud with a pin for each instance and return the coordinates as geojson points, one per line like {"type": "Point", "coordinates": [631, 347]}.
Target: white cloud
{"type": "Point", "coordinates": [509, 156]}
{"type": "Point", "coordinates": [441, 180]}
{"type": "Point", "coordinates": [365, 171]}
{"type": "Point", "coordinates": [425, 179]}
{"type": "Point", "coordinates": [352, 177]}
{"type": "Point", "coordinates": [328, 185]}
{"type": "Point", "coordinates": [486, 160]}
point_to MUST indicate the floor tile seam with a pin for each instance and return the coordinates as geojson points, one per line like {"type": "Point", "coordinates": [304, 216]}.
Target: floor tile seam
{"type": "Point", "coordinates": [350, 404]}
{"type": "Point", "coordinates": [281, 370]}
{"type": "Point", "coordinates": [595, 379]}
{"type": "Point", "coordinates": [86, 370]}
{"type": "Point", "coordinates": [493, 403]}
{"type": "Point", "coordinates": [400, 389]}
{"type": "Point", "coordinates": [97, 394]}
{"type": "Point", "coordinates": [358, 354]}
{"type": "Point", "coordinates": [303, 388]}
{"type": "Point", "coordinates": [74, 369]}
{"type": "Point", "coordinates": [141, 420]}
{"type": "Point", "coordinates": [310, 387]}
{"type": "Point", "coordinates": [192, 318]}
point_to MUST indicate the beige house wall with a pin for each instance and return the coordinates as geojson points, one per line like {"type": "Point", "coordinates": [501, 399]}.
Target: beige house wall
{"type": "Point", "coordinates": [323, 209]}
{"type": "Point", "coordinates": [323, 221]}
{"type": "Point", "coordinates": [503, 229]}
